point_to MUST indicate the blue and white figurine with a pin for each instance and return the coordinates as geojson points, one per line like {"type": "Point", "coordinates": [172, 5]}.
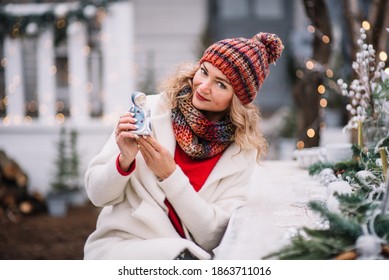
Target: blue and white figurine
{"type": "Point", "coordinates": [141, 113]}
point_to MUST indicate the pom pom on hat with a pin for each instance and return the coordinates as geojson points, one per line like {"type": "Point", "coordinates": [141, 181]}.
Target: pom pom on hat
{"type": "Point", "coordinates": [245, 62]}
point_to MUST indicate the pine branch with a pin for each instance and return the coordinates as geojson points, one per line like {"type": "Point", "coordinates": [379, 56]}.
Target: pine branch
{"type": "Point", "coordinates": [339, 224]}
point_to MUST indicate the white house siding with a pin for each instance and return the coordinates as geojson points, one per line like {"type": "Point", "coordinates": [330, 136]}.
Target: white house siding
{"type": "Point", "coordinates": [169, 31]}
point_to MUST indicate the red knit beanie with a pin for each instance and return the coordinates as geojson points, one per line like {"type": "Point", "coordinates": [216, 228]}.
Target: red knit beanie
{"type": "Point", "coordinates": [245, 62]}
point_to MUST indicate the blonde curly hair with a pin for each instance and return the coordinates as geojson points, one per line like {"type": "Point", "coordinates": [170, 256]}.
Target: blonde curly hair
{"type": "Point", "coordinates": [246, 117]}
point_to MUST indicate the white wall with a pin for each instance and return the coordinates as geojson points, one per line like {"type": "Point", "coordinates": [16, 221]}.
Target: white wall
{"type": "Point", "coordinates": [34, 148]}
{"type": "Point", "coordinates": [170, 30]}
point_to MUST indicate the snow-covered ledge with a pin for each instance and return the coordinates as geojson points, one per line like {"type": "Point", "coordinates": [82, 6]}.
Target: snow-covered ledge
{"type": "Point", "coordinates": [276, 208]}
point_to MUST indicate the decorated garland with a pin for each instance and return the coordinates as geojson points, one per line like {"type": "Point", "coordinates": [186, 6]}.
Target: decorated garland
{"type": "Point", "coordinates": [17, 24]}
{"type": "Point", "coordinates": [355, 215]}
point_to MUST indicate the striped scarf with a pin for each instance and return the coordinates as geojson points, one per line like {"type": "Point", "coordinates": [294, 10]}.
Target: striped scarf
{"type": "Point", "coordinates": [198, 137]}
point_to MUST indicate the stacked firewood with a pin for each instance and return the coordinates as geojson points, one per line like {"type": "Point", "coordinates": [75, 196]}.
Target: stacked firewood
{"type": "Point", "coordinates": [15, 200]}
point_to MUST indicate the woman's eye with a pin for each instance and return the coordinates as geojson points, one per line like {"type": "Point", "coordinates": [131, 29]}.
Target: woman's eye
{"type": "Point", "coordinates": [203, 71]}
{"type": "Point", "coordinates": [221, 85]}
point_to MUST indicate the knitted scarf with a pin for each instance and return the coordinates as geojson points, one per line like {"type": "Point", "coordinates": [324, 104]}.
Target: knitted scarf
{"type": "Point", "coordinates": [198, 137]}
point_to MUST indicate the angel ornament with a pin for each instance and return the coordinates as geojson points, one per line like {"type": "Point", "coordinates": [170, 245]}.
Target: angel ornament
{"type": "Point", "coordinates": [141, 113]}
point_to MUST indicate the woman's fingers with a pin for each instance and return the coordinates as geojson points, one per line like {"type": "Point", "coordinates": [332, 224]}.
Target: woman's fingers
{"type": "Point", "coordinates": [150, 143]}
{"type": "Point", "coordinates": [126, 124]}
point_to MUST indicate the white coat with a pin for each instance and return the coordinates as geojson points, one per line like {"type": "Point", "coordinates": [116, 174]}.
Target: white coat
{"type": "Point", "coordinates": [134, 224]}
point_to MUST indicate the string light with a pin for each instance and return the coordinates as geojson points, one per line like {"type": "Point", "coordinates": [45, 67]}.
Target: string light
{"type": "Point", "coordinates": [323, 102]}
{"type": "Point", "coordinates": [60, 118]}
{"type": "Point", "coordinates": [329, 73]}
{"type": "Point", "coordinates": [300, 145]}
{"type": "Point", "coordinates": [6, 101]}
{"type": "Point", "coordinates": [6, 121]}
{"type": "Point", "coordinates": [311, 29]}
{"type": "Point", "coordinates": [325, 39]}
{"type": "Point", "coordinates": [321, 89]}
{"type": "Point", "coordinates": [57, 14]}
{"type": "Point", "coordinates": [383, 56]}
{"type": "Point", "coordinates": [365, 25]}
{"type": "Point", "coordinates": [311, 133]}
{"type": "Point", "coordinates": [309, 64]}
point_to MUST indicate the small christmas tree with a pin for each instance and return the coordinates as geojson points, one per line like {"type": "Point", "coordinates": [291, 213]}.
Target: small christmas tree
{"type": "Point", "coordinates": [66, 176]}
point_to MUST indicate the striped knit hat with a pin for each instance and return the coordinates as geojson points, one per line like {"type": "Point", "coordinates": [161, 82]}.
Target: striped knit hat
{"type": "Point", "coordinates": [245, 62]}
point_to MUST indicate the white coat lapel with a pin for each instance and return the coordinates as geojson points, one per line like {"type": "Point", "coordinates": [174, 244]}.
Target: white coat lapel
{"type": "Point", "coordinates": [161, 123]}
{"type": "Point", "coordinates": [231, 162]}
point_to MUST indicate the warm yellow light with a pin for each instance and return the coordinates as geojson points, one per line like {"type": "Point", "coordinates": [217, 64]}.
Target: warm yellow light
{"type": "Point", "coordinates": [6, 121]}
{"type": "Point", "coordinates": [309, 64]}
{"type": "Point", "coordinates": [329, 73]}
{"type": "Point", "coordinates": [365, 25]}
{"type": "Point", "coordinates": [325, 39]}
{"type": "Point", "coordinates": [60, 118]}
{"type": "Point", "coordinates": [387, 70]}
{"type": "Point", "coordinates": [321, 89]}
{"type": "Point", "coordinates": [311, 133]}
{"type": "Point", "coordinates": [311, 29]}
{"type": "Point", "coordinates": [383, 56]}
{"type": "Point", "coordinates": [300, 145]}
{"type": "Point", "coordinates": [323, 103]}
{"type": "Point", "coordinates": [5, 100]}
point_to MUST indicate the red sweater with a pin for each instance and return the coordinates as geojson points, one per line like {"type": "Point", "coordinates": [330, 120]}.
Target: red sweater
{"type": "Point", "coordinates": [196, 170]}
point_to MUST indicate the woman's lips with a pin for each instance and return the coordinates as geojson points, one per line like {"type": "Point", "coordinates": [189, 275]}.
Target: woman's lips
{"type": "Point", "coordinates": [200, 97]}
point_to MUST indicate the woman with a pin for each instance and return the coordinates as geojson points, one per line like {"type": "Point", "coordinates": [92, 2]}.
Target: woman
{"type": "Point", "coordinates": [170, 195]}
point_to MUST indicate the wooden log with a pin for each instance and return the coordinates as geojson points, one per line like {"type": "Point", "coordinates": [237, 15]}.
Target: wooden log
{"type": "Point", "coordinates": [15, 199]}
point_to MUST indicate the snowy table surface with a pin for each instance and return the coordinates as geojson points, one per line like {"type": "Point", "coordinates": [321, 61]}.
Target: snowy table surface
{"type": "Point", "coordinates": [277, 207]}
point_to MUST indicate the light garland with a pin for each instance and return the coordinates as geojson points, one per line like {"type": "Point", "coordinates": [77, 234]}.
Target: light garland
{"type": "Point", "coordinates": [17, 24]}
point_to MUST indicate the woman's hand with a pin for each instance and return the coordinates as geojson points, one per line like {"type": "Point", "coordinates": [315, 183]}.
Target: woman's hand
{"type": "Point", "coordinates": [126, 140]}
{"type": "Point", "coordinates": [157, 157]}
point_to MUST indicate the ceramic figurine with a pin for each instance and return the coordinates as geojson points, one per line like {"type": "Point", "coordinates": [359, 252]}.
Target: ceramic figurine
{"type": "Point", "coordinates": [141, 113]}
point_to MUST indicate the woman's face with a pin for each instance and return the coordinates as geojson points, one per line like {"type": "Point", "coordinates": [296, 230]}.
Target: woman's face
{"type": "Point", "coordinates": [212, 92]}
